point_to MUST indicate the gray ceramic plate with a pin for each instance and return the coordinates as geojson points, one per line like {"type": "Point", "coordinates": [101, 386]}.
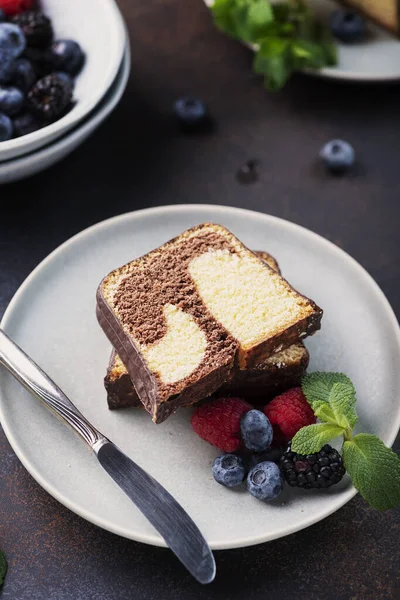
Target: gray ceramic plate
{"type": "Point", "coordinates": [52, 316]}
{"type": "Point", "coordinates": [375, 59]}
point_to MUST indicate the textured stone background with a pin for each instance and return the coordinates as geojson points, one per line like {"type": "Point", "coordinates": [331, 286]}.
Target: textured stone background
{"type": "Point", "coordinates": [137, 159]}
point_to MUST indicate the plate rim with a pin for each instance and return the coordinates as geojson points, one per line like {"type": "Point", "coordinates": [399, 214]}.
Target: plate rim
{"type": "Point", "coordinates": [156, 540]}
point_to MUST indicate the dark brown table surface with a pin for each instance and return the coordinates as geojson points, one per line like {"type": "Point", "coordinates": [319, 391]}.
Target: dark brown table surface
{"type": "Point", "coordinates": [139, 158]}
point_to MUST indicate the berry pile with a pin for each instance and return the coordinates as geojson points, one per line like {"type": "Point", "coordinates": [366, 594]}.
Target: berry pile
{"type": "Point", "coordinates": [36, 71]}
{"type": "Point", "coordinates": [252, 440]}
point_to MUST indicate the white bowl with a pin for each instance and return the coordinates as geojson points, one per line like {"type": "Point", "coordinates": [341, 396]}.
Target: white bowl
{"type": "Point", "coordinates": [33, 163]}
{"type": "Point", "coordinates": [98, 27]}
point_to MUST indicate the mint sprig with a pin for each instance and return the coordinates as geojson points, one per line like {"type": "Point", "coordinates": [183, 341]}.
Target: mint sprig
{"type": "Point", "coordinates": [3, 568]}
{"type": "Point", "coordinates": [286, 36]}
{"type": "Point", "coordinates": [373, 467]}
{"type": "Point", "coordinates": [374, 470]}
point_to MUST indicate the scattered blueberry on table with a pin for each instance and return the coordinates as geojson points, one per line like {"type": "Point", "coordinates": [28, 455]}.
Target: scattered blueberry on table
{"type": "Point", "coordinates": [192, 115]}
{"type": "Point", "coordinates": [36, 72]}
{"type": "Point", "coordinates": [337, 155]}
{"type": "Point", "coordinates": [347, 26]}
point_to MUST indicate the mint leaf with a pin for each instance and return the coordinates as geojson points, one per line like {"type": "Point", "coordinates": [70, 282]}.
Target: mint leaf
{"type": "Point", "coordinates": [318, 386]}
{"type": "Point", "coordinates": [307, 43]}
{"type": "Point", "coordinates": [307, 54]}
{"type": "Point", "coordinates": [342, 400]}
{"type": "Point", "coordinates": [374, 469]}
{"type": "Point", "coordinates": [330, 52]}
{"type": "Point", "coordinates": [272, 60]}
{"type": "Point", "coordinates": [224, 17]}
{"type": "Point", "coordinates": [240, 15]}
{"type": "Point", "coordinates": [324, 412]}
{"type": "Point", "coordinates": [259, 16]}
{"type": "Point", "coordinates": [310, 439]}
{"type": "Point", "coordinates": [3, 568]}
{"type": "Point", "coordinates": [281, 11]}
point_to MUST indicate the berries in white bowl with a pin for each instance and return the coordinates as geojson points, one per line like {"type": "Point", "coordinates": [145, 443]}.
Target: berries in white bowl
{"type": "Point", "coordinates": [33, 71]}
{"type": "Point", "coordinates": [65, 39]}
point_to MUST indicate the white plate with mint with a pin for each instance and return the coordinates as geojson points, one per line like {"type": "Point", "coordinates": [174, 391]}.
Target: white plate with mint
{"type": "Point", "coordinates": [52, 317]}
{"type": "Point", "coordinates": [314, 36]}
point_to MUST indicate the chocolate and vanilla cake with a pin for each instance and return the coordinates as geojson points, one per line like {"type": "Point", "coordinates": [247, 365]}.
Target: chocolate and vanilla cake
{"type": "Point", "coordinates": [185, 315]}
{"type": "Point", "coordinates": [275, 374]}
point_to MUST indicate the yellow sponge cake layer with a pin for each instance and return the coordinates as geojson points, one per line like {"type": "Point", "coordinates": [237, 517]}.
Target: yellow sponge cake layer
{"type": "Point", "coordinates": [250, 301]}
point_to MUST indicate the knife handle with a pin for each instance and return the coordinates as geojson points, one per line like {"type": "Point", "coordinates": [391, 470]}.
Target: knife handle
{"type": "Point", "coordinates": [36, 381]}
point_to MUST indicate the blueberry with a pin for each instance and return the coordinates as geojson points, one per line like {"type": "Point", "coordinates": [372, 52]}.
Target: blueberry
{"type": "Point", "coordinates": [337, 155]}
{"type": "Point", "coordinates": [192, 114]}
{"type": "Point", "coordinates": [25, 123]}
{"type": "Point", "coordinates": [6, 128]}
{"type": "Point", "coordinates": [12, 39]}
{"type": "Point", "coordinates": [66, 55]}
{"type": "Point", "coordinates": [256, 431]}
{"type": "Point", "coordinates": [265, 481]}
{"type": "Point", "coordinates": [2, 15]}
{"type": "Point", "coordinates": [229, 470]}
{"type": "Point", "coordinates": [347, 25]}
{"type": "Point", "coordinates": [11, 99]}
{"type": "Point", "coordinates": [6, 66]}
{"type": "Point", "coordinates": [271, 455]}
{"type": "Point", "coordinates": [66, 78]}
{"type": "Point", "coordinates": [24, 75]}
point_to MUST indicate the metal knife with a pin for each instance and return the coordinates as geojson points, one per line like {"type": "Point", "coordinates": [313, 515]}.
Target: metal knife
{"type": "Point", "coordinates": [180, 533]}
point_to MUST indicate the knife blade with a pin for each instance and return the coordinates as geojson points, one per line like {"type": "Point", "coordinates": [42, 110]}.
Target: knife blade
{"type": "Point", "coordinates": [174, 524]}
{"type": "Point", "coordinates": [166, 515]}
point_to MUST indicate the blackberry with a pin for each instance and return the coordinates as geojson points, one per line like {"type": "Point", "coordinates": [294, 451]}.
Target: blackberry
{"type": "Point", "coordinates": [36, 27]}
{"type": "Point", "coordinates": [312, 471]}
{"type": "Point", "coordinates": [49, 97]}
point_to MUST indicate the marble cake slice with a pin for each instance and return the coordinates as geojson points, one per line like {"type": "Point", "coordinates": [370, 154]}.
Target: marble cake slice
{"type": "Point", "coordinates": [281, 371]}
{"type": "Point", "coordinates": [184, 315]}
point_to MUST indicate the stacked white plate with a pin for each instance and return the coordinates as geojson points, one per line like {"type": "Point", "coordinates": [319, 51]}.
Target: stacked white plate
{"type": "Point", "coordinates": [99, 28]}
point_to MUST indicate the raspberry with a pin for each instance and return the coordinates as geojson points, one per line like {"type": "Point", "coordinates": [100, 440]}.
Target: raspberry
{"type": "Point", "coordinates": [218, 422]}
{"type": "Point", "coordinates": [288, 413]}
{"type": "Point", "coordinates": [14, 7]}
